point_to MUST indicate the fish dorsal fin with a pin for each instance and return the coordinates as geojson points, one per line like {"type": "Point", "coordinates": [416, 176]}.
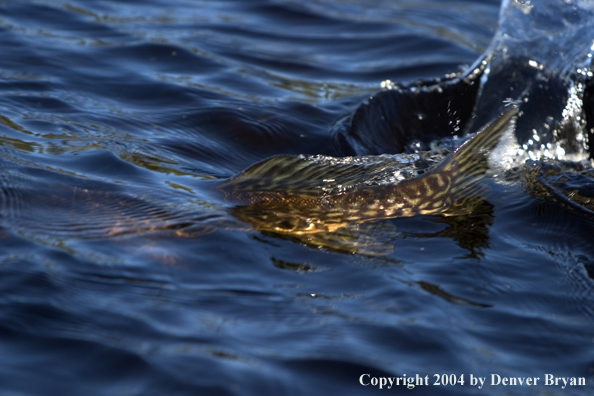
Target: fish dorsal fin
{"type": "Point", "coordinates": [320, 174]}
{"type": "Point", "coordinates": [299, 167]}
{"type": "Point", "coordinates": [469, 162]}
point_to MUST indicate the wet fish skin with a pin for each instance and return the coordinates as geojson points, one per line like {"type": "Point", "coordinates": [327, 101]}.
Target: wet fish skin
{"type": "Point", "coordinates": [304, 207]}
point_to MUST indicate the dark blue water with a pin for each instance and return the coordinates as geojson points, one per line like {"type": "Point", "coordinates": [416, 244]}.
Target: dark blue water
{"type": "Point", "coordinates": [121, 274]}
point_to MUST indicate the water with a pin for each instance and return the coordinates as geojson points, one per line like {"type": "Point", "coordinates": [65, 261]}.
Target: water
{"type": "Point", "coordinates": [122, 274]}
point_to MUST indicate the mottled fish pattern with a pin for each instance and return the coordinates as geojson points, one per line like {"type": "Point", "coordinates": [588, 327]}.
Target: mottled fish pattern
{"type": "Point", "coordinates": [301, 195]}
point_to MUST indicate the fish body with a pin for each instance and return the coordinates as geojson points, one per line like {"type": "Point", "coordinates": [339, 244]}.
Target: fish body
{"type": "Point", "coordinates": [299, 195]}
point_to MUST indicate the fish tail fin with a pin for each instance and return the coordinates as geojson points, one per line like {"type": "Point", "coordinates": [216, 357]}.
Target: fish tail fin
{"type": "Point", "coordinates": [469, 162]}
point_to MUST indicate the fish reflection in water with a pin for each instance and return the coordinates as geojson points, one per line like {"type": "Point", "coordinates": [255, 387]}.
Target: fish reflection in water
{"type": "Point", "coordinates": [331, 202]}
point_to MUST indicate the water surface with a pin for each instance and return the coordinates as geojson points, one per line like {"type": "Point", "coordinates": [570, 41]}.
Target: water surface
{"type": "Point", "coordinates": [121, 274]}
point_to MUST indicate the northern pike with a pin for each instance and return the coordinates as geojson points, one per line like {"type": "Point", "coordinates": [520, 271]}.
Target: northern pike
{"type": "Point", "coordinates": [300, 195]}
